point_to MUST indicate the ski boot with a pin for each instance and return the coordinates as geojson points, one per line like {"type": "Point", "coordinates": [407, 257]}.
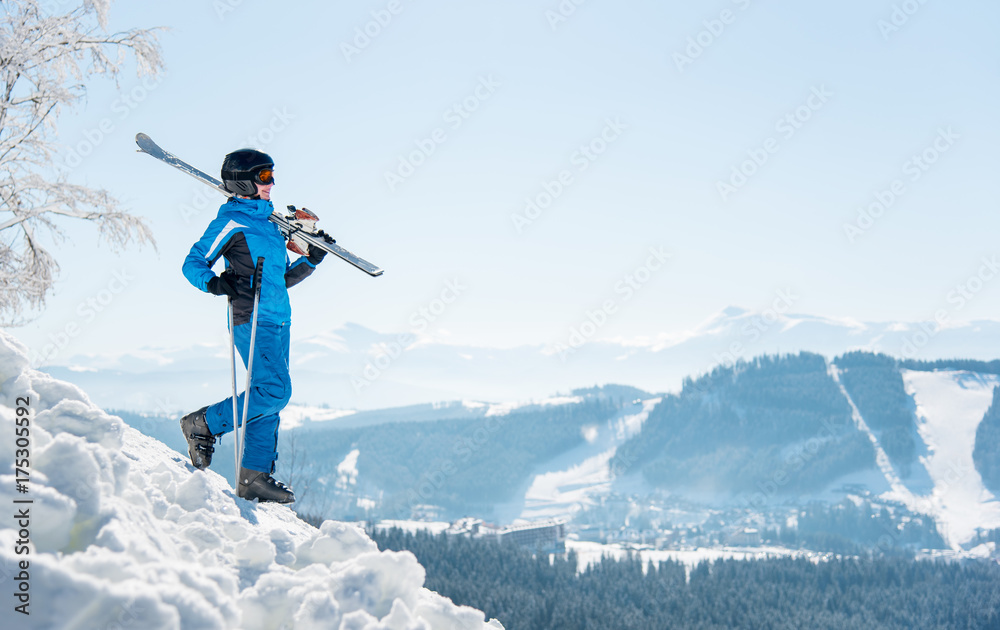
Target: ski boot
{"type": "Point", "coordinates": [199, 438]}
{"type": "Point", "coordinates": [255, 484]}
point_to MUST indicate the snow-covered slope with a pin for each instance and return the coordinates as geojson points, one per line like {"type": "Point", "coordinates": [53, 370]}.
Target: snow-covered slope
{"type": "Point", "coordinates": [950, 406]}
{"type": "Point", "coordinates": [125, 533]}
{"type": "Point", "coordinates": [573, 480]}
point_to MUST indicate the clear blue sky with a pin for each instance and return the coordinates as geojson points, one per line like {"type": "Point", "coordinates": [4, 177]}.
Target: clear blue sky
{"type": "Point", "coordinates": [864, 101]}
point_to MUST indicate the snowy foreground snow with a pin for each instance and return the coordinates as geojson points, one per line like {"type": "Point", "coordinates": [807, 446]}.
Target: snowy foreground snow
{"type": "Point", "coordinates": [126, 534]}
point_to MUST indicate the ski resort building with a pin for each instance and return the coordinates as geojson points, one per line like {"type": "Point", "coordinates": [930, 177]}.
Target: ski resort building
{"type": "Point", "coordinates": [544, 536]}
{"type": "Point", "coordinates": [744, 537]}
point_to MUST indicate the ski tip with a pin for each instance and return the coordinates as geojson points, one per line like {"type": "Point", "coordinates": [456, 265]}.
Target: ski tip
{"type": "Point", "coordinates": [146, 144]}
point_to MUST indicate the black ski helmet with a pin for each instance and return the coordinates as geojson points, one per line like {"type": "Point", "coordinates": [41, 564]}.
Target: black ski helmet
{"type": "Point", "coordinates": [240, 169]}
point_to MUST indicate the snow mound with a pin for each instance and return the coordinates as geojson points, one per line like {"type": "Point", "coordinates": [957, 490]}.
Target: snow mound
{"type": "Point", "coordinates": [125, 533]}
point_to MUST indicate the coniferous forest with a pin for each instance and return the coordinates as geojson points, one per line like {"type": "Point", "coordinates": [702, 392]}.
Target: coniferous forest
{"type": "Point", "coordinates": [535, 593]}
{"type": "Point", "coordinates": [987, 450]}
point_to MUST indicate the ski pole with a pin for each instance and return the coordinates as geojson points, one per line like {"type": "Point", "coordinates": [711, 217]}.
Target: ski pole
{"type": "Point", "coordinates": [258, 275]}
{"type": "Point", "coordinates": [232, 365]}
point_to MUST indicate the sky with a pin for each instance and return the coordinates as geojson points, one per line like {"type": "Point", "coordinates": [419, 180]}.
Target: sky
{"type": "Point", "coordinates": [522, 168]}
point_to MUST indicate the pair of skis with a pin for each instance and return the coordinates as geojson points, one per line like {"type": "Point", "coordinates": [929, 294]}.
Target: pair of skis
{"type": "Point", "coordinates": [289, 225]}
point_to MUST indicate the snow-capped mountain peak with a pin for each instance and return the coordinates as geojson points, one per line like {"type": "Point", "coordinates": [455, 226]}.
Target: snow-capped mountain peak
{"type": "Point", "coordinates": [353, 367]}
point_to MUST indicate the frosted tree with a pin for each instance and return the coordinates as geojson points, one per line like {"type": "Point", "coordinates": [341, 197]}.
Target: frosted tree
{"type": "Point", "coordinates": [46, 58]}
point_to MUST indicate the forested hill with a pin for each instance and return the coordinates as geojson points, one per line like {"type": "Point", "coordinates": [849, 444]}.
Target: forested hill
{"type": "Point", "coordinates": [777, 422]}
{"type": "Point", "coordinates": [463, 465]}
{"type": "Point", "coordinates": [782, 423]}
{"type": "Point", "coordinates": [777, 425]}
{"type": "Point", "coordinates": [875, 384]}
{"type": "Point", "coordinates": [987, 451]}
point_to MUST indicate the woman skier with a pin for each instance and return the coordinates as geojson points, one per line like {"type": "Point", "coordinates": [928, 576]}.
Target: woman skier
{"type": "Point", "coordinates": [241, 233]}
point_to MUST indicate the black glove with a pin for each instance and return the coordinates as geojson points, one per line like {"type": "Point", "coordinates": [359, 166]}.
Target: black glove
{"type": "Point", "coordinates": [316, 255]}
{"type": "Point", "coordinates": [224, 284]}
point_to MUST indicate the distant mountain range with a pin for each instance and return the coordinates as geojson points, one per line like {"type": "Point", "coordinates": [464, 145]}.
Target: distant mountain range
{"type": "Point", "coordinates": [353, 367]}
{"type": "Point", "coordinates": [917, 438]}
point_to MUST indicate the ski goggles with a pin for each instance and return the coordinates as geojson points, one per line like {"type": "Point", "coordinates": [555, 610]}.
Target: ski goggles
{"type": "Point", "coordinates": [264, 176]}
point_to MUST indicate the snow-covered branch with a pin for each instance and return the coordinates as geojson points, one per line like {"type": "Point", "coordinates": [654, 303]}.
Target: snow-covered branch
{"type": "Point", "coordinates": [45, 60]}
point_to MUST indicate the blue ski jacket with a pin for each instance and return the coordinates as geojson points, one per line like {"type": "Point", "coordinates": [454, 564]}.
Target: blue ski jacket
{"type": "Point", "coordinates": [241, 233]}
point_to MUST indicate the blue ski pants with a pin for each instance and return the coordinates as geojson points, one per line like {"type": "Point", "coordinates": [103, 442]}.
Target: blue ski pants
{"type": "Point", "coordinates": [270, 390]}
